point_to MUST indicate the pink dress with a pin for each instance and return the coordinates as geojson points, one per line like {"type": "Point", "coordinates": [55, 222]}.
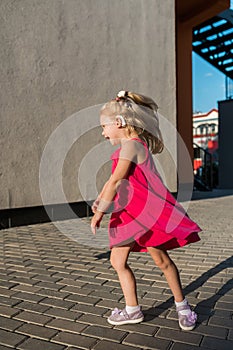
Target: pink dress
{"type": "Point", "coordinates": [146, 213]}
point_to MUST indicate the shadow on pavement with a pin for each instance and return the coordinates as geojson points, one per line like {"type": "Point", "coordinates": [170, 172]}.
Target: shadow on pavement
{"type": "Point", "coordinates": [204, 307]}
{"type": "Point", "coordinates": [215, 193]}
{"type": "Point", "coordinates": [104, 255]}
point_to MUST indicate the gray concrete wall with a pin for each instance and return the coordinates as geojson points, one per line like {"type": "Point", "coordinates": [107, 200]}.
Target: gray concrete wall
{"type": "Point", "coordinates": [60, 56]}
{"type": "Point", "coordinates": [225, 144]}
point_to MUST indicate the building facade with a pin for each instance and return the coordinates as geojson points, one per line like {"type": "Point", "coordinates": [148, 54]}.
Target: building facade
{"type": "Point", "coordinates": [205, 130]}
{"type": "Point", "coordinates": [205, 145]}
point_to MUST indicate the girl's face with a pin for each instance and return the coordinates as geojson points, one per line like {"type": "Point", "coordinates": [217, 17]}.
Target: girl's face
{"type": "Point", "coordinates": [111, 129]}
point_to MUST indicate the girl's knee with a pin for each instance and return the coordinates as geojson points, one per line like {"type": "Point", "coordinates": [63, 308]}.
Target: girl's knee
{"type": "Point", "coordinates": [161, 258]}
{"type": "Point", "coordinates": [117, 264]}
{"type": "Point", "coordinates": [164, 264]}
{"type": "Point", "coordinates": [119, 259]}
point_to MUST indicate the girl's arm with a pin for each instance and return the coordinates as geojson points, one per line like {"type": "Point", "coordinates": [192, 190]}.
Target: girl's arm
{"type": "Point", "coordinates": [128, 155]}
{"type": "Point", "coordinates": [97, 201]}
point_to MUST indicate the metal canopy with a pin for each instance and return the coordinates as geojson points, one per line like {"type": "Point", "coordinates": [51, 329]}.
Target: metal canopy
{"type": "Point", "coordinates": [213, 41]}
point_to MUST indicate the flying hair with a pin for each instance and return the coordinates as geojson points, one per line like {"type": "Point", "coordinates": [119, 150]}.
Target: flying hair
{"type": "Point", "coordinates": [140, 115]}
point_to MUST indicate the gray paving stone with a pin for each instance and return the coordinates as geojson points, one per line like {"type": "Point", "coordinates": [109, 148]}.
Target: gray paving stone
{"type": "Point", "coordinates": [28, 281]}
{"type": "Point", "coordinates": [139, 340]}
{"type": "Point", "coordinates": [94, 320]}
{"type": "Point", "coordinates": [224, 305]}
{"type": "Point", "coordinates": [26, 305]}
{"type": "Point", "coordinates": [25, 288]}
{"type": "Point", "coordinates": [6, 292]}
{"type": "Point", "coordinates": [46, 278]}
{"type": "Point", "coordinates": [107, 345]}
{"type": "Point", "coordinates": [8, 311]}
{"type": "Point", "coordinates": [70, 282]}
{"type": "Point", "coordinates": [8, 324]}
{"type": "Point", "coordinates": [221, 322]}
{"type": "Point", "coordinates": [63, 304]}
{"type": "Point", "coordinates": [183, 346]}
{"type": "Point", "coordinates": [27, 297]}
{"type": "Point", "coordinates": [156, 311]}
{"type": "Point", "coordinates": [10, 338]}
{"type": "Point", "coordinates": [111, 284]}
{"type": "Point", "coordinates": [74, 340]}
{"type": "Point", "coordinates": [53, 286]}
{"type": "Point", "coordinates": [33, 318]}
{"type": "Point", "coordinates": [106, 295]}
{"type": "Point", "coordinates": [74, 289]}
{"type": "Point", "coordinates": [37, 344]}
{"type": "Point", "coordinates": [80, 291]}
{"type": "Point", "coordinates": [218, 332]}
{"type": "Point", "coordinates": [144, 302]}
{"type": "Point", "coordinates": [8, 301]}
{"type": "Point", "coordinates": [19, 274]}
{"type": "Point", "coordinates": [109, 304]}
{"type": "Point", "coordinates": [92, 280]}
{"type": "Point", "coordinates": [222, 314]}
{"type": "Point", "coordinates": [139, 328]}
{"type": "Point", "coordinates": [59, 269]}
{"type": "Point", "coordinates": [105, 333]}
{"type": "Point", "coordinates": [53, 293]}
{"type": "Point", "coordinates": [83, 299]}
{"type": "Point", "coordinates": [42, 271]}
{"type": "Point", "coordinates": [36, 331]}
{"type": "Point", "coordinates": [100, 269]}
{"type": "Point", "coordinates": [155, 296]}
{"type": "Point", "coordinates": [216, 344]}
{"type": "Point", "coordinates": [66, 325]}
{"type": "Point", "coordinates": [4, 281]}
{"type": "Point", "coordinates": [185, 337]}
{"type": "Point", "coordinates": [104, 288]}
{"type": "Point", "coordinates": [63, 314]}
{"type": "Point", "coordinates": [61, 275]}
{"type": "Point", "coordinates": [162, 322]}
{"type": "Point", "coordinates": [94, 310]}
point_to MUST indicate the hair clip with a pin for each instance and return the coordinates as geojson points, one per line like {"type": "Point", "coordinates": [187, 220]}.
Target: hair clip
{"type": "Point", "coordinates": [122, 94]}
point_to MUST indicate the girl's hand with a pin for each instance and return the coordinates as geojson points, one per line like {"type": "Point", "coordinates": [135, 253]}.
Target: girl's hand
{"type": "Point", "coordinates": [95, 221]}
{"type": "Point", "coordinates": [95, 205]}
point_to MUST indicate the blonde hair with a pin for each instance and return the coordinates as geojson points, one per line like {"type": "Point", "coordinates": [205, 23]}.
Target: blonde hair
{"type": "Point", "coordinates": [140, 115]}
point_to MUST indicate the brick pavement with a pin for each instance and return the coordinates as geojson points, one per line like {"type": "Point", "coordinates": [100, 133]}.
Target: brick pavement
{"type": "Point", "coordinates": [56, 292]}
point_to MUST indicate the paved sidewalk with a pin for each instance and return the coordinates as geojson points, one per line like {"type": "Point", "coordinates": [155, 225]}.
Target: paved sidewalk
{"type": "Point", "coordinates": [56, 292]}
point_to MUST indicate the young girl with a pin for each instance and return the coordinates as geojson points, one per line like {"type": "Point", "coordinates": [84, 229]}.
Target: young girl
{"type": "Point", "coordinates": [145, 217]}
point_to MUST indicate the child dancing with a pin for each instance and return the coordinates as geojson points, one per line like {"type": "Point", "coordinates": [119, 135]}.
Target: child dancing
{"type": "Point", "coordinates": [146, 217]}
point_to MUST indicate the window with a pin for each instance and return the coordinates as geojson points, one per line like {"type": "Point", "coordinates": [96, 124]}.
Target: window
{"type": "Point", "coordinates": [201, 129]}
{"type": "Point", "coordinates": [213, 127]}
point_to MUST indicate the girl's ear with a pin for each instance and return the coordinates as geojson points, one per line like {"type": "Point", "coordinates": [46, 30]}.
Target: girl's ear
{"type": "Point", "coordinates": [121, 121]}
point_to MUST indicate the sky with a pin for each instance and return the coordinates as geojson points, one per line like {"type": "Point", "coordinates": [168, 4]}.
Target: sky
{"type": "Point", "coordinates": [208, 84]}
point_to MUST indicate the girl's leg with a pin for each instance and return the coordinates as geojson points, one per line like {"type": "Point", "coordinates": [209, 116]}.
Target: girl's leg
{"type": "Point", "coordinates": [167, 266]}
{"type": "Point", "coordinates": [187, 317]}
{"type": "Point", "coordinates": [119, 257]}
{"type": "Point", "coordinates": [132, 312]}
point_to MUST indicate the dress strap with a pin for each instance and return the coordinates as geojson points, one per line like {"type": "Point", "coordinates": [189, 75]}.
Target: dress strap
{"type": "Point", "coordinates": [139, 140]}
{"type": "Point", "coordinates": [145, 147]}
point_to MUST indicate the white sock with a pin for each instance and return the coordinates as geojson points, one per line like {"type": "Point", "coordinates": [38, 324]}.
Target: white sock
{"type": "Point", "coordinates": [131, 309]}
{"type": "Point", "coordinates": [183, 303]}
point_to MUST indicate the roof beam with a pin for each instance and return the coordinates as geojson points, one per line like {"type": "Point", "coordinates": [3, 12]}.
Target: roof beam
{"type": "Point", "coordinates": [193, 12]}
